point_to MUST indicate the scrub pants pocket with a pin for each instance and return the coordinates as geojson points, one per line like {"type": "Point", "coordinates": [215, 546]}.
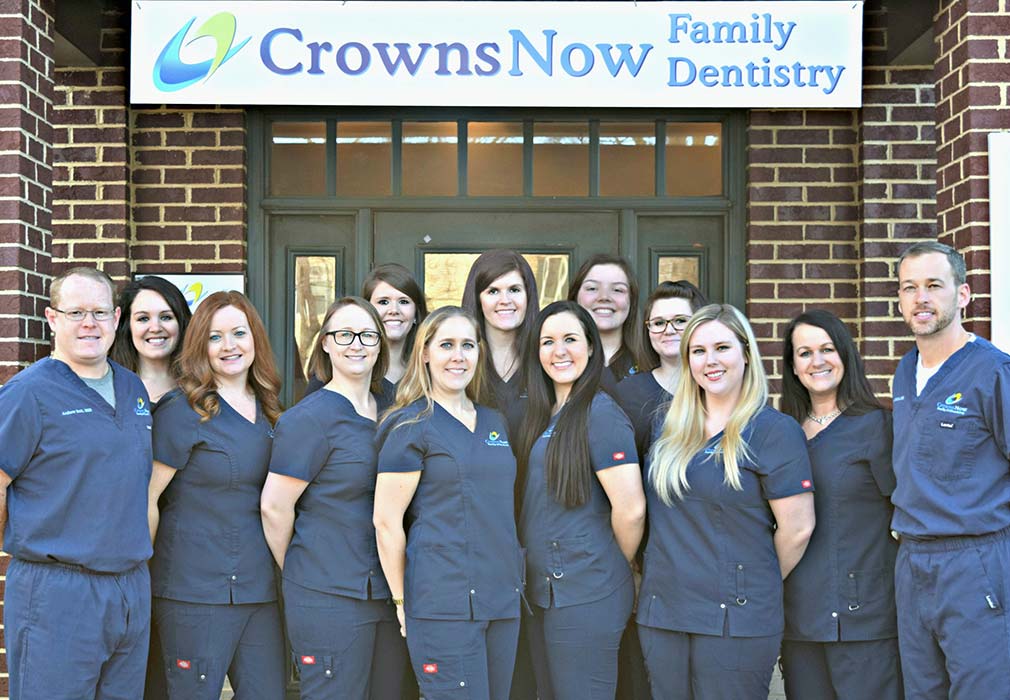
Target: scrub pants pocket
{"type": "Point", "coordinates": [439, 660]}
{"type": "Point", "coordinates": [189, 669]}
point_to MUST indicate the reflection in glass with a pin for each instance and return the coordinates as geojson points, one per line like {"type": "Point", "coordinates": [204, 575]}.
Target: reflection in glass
{"type": "Point", "coordinates": [364, 159]}
{"type": "Point", "coordinates": [298, 158]}
{"type": "Point", "coordinates": [693, 159]}
{"type": "Point", "coordinates": [494, 159]}
{"type": "Point", "coordinates": [315, 287]}
{"type": "Point", "coordinates": [561, 159]}
{"type": "Point", "coordinates": [679, 267]}
{"type": "Point", "coordinates": [627, 159]}
{"type": "Point", "coordinates": [445, 276]}
{"type": "Point", "coordinates": [429, 159]}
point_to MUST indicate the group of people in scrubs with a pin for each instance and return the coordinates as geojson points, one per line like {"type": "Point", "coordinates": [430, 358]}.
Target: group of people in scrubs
{"type": "Point", "coordinates": [497, 500]}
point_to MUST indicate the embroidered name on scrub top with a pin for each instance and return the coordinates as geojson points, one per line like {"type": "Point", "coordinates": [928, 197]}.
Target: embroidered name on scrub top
{"type": "Point", "coordinates": [463, 556]}
{"type": "Point", "coordinates": [572, 555]}
{"type": "Point", "coordinates": [70, 456]}
{"type": "Point", "coordinates": [950, 457]}
{"type": "Point", "coordinates": [711, 555]}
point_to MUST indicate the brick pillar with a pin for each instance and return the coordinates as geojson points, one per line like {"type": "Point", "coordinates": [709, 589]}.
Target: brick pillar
{"type": "Point", "coordinates": [897, 157]}
{"type": "Point", "coordinates": [972, 74]}
{"type": "Point", "coordinates": [26, 95]}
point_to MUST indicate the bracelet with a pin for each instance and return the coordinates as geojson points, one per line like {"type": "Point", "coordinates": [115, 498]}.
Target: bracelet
{"type": "Point", "coordinates": [397, 601]}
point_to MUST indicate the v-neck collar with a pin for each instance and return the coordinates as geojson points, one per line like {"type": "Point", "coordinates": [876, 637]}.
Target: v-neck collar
{"type": "Point", "coordinates": [457, 421]}
{"type": "Point", "coordinates": [251, 423]}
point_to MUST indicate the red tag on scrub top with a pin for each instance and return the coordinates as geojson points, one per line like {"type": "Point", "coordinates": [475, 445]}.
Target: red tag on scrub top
{"type": "Point", "coordinates": [429, 668]}
{"type": "Point", "coordinates": [183, 664]}
{"type": "Point", "coordinates": [308, 661]}
{"type": "Point", "coordinates": [618, 455]}
{"type": "Point", "coordinates": [806, 483]}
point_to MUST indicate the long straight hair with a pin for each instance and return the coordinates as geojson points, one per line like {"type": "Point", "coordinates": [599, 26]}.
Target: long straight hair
{"type": "Point", "coordinates": [196, 376]}
{"type": "Point", "coordinates": [630, 357]}
{"type": "Point", "coordinates": [484, 271]}
{"type": "Point", "coordinates": [416, 381]}
{"type": "Point", "coordinates": [399, 278]}
{"type": "Point", "coordinates": [569, 468]}
{"type": "Point", "coordinates": [854, 394]}
{"type": "Point", "coordinates": [123, 350]}
{"type": "Point", "coordinates": [681, 289]}
{"type": "Point", "coordinates": [683, 433]}
{"type": "Point", "coordinates": [319, 360]}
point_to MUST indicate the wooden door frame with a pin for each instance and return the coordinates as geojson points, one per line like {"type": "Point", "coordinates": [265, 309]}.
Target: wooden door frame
{"type": "Point", "coordinates": [731, 203]}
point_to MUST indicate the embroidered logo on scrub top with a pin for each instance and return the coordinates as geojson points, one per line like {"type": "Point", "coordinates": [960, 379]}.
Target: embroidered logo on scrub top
{"type": "Point", "coordinates": [617, 455]}
{"type": "Point", "coordinates": [494, 439]}
{"type": "Point", "coordinates": [308, 661]}
{"type": "Point", "coordinates": [950, 405]}
{"type": "Point", "coordinates": [142, 409]}
{"type": "Point", "coordinates": [75, 411]}
{"type": "Point", "coordinates": [806, 483]}
{"type": "Point", "coordinates": [429, 668]}
{"type": "Point", "coordinates": [183, 664]}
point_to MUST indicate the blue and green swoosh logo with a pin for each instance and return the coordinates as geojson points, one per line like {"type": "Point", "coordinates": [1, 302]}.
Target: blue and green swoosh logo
{"type": "Point", "coordinates": [171, 73]}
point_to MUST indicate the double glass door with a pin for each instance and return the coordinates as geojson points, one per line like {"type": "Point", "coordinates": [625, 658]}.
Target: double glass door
{"type": "Point", "coordinates": [316, 258]}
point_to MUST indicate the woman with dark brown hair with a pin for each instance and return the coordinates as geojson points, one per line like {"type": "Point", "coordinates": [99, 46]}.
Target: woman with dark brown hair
{"type": "Point", "coordinates": [606, 287]}
{"type": "Point", "coordinates": [501, 293]}
{"type": "Point", "coordinates": [212, 573]}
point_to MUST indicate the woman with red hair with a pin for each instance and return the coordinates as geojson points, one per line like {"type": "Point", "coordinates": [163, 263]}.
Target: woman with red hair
{"type": "Point", "coordinates": [212, 574]}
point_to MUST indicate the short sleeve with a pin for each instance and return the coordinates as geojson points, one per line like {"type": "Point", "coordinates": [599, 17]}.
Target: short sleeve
{"type": "Point", "coordinates": [782, 462]}
{"type": "Point", "coordinates": [878, 451]}
{"type": "Point", "coordinates": [401, 444]}
{"type": "Point", "coordinates": [176, 429]}
{"type": "Point", "coordinates": [301, 447]}
{"type": "Point", "coordinates": [611, 436]}
{"type": "Point", "coordinates": [997, 412]}
{"type": "Point", "coordinates": [20, 428]}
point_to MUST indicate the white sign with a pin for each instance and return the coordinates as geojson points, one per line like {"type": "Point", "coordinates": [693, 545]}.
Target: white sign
{"type": "Point", "coordinates": [507, 54]}
{"type": "Point", "coordinates": [196, 287]}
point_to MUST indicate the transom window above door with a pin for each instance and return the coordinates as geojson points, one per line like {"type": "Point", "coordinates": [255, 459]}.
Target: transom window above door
{"type": "Point", "coordinates": [542, 158]}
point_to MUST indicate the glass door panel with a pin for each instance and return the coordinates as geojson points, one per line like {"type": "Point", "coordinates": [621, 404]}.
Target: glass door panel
{"type": "Point", "coordinates": [445, 276]}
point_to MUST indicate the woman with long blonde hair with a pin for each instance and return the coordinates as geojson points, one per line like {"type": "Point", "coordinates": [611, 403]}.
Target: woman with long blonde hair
{"type": "Point", "coordinates": [212, 576]}
{"type": "Point", "coordinates": [731, 509]}
{"type": "Point", "coordinates": [445, 462]}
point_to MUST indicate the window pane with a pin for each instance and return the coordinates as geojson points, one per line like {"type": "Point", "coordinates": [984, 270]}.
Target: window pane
{"type": "Point", "coordinates": [445, 276]}
{"type": "Point", "coordinates": [494, 158]}
{"type": "Point", "coordinates": [298, 158]}
{"type": "Point", "coordinates": [315, 287]}
{"type": "Point", "coordinates": [429, 159]}
{"type": "Point", "coordinates": [627, 159]}
{"type": "Point", "coordinates": [561, 159]}
{"type": "Point", "coordinates": [677, 267]}
{"type": "Point", "coordinates": [693, 159]}
{"type": "Point", "coordinates": [364, 159]}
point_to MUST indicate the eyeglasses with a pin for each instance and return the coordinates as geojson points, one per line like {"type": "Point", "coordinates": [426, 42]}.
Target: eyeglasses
{"type": "Point", "coordinates": [367, 338]}
{"type": "Point", "coordinates": [78, 315]}
{"type": "Point", "coordinates": [658, 325]}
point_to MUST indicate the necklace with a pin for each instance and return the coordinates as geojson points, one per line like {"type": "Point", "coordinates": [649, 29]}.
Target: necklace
{"type": "Point", "coordinates": [825, 419]}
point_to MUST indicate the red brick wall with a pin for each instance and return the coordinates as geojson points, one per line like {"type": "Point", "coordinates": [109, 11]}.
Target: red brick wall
{"type": "Point", "coordinates": [144, 189]}
{"type": "Point", "coordinates": [26, 93]}
{"type": "Point", "coordinates": [972, 98]}
{"type": "Point", "coordinates": [834, 197]}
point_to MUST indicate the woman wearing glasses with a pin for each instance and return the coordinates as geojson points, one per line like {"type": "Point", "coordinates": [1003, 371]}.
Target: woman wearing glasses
{"type": "Point", "coordinates": [642, 395]}
{"type": "Point", "coordinates": [212, 575]}
{"type": "Point", "coordinates": [317, 516]}
{"type": "Point", "coordinates": [445, 463]}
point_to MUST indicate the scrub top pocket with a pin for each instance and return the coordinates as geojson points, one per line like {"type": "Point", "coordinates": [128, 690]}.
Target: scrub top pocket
{"type": "Point", "coordinates": [947, 447]}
